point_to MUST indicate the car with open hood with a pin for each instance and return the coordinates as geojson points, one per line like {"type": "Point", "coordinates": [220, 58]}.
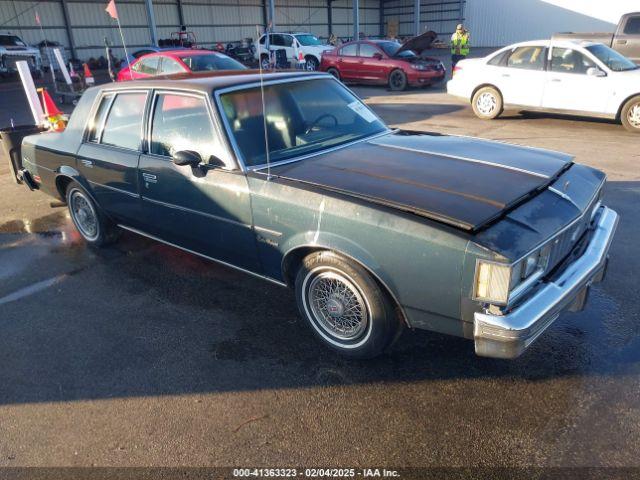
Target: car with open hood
{"type": "Point", "coordinates": [291, 178]}
{"type": "Point", "coordinates": [384, 62]}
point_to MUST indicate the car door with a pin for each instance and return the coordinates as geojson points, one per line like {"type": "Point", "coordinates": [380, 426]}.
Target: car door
{"type": "Point", "coordinates": [569, 86]}
{"type": "Point", "coordinates": [170, 66]}
{"type": "Point", "coordinates": [627, 39]}
{"type": "Point", "coordinates": [207, 208]}
{"type": "Point", "coordinates": [108, 158]}
{"type": "Point", "coordinates": [371, 64]}
{"type": "Point", "coordinates": [146, 67]}
{"type": "Point", "coordinates": [348, 61]}
{"type": "Point", "coordinates": [521, 75]}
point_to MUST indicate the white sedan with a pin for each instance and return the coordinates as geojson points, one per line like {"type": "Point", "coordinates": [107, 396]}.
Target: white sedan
{"type": "Point", "coordinates": [581, 78]}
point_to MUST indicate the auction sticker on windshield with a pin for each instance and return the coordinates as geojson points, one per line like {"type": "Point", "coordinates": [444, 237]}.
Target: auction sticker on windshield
{"type": "Point", "coordinates": [363, 111]}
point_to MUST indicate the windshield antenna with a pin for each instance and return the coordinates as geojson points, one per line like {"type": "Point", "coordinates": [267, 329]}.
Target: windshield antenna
{"type": "Point", "coordinates": [264, 110]}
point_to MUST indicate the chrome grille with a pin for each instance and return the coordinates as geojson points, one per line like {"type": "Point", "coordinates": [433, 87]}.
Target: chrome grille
{"type": "Point", "coordinates": [564, 242]}
{"type": "Point", "coordinates": [10, 60]}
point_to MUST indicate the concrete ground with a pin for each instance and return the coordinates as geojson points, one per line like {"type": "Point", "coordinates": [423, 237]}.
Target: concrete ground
{"type": "Point", "coordinates": [142, 355]}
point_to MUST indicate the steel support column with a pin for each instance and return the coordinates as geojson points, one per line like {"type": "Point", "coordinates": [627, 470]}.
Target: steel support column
{"type": "Point", "coordinates": [416, 17]}
{"type": "Point", "coordinates": [330, 17]}
{"type": "Point", "coordinates": [152, 22]}
{"type": "Point", "coordinates": [356, 20]}
{"type": "Point", "coordinates": [272, 14]}
{"type": "Point", "coordinates": [180, 12]}
{"type": "Point", "coordinates": [67, 26]}
{"type": "Point", "coordinates": [461, 12]}
{"type": "Point", "coordinates": [381, 13]}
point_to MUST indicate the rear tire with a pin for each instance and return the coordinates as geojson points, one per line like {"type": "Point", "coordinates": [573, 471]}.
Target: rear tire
{"type": "Point", "coordinates": [264, 62]}
{"type": "Point", "coordinates": [397, 80]}
{"type": "Point", "coordinates": [334, 72]}
{"type": "Point", "coordinates": [345, 307]}
{"type": "Point", "coordinates": [96, 229]}
{"type": "Point", "coordinates": [487, 103]}
{"type": "Point", "coordinates": [311, 64]}
{"type": "Point", "coordinates": [630, 115]}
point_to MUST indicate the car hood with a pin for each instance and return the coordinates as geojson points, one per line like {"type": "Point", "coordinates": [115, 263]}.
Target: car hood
{"type": "Point", "coordinates": [460, 181]}
{"type": "Point", "coordinates": [419, 43]}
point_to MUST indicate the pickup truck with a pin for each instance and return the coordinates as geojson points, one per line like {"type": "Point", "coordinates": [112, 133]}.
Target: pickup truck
{"type": "Point", "coordinates": [13, 49]}
{"type": "Point", "coordinates": [626, 38]}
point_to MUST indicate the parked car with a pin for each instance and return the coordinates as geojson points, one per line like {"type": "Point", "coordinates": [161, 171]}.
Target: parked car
{"type": "Point", "coordinates": [13, 49]}
{"type": "Point", "coordinates": [580, 78]}
{"type": "Point", "coordinates": [382, 62]}
{"type": "Point", "coordinates": [625, 40]}
{"type": "Point", "coordinates": [178, 61]}
{"type": "Point", "coordinates": [293, 44]}
{"type": "Point", "coordinates": [375, 229]}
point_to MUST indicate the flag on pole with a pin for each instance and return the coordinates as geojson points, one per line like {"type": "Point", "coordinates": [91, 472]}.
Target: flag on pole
{"type": "Point", "coordinates": [38, 19]}
{"type": "Point", "coordinates": [112, 10]}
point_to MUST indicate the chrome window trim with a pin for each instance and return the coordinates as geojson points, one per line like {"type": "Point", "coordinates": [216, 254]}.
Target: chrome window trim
{"type": "Point", "coordinates": [315, 76]}
{"type": "Point", "coordinates": [89, 124]}
{"type": "Point", "coordinates": [230, 162]}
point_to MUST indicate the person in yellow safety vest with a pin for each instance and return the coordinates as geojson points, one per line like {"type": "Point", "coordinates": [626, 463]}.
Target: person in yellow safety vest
{"type": "Point", "coordinates": [460, 43]}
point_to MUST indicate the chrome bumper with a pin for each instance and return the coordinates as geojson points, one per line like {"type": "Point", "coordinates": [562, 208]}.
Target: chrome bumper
{"type": "Point", "coordinates": [507, 336]}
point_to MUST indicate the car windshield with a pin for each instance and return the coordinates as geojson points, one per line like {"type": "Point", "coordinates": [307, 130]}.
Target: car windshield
{"type": "Point", "coordinates": [611, 58]}
{"type": "Point", "coordinates": [308, 40]}
{"type": "Point", "coordinates": [208, 63]}
{"type": "Point", "coordinates": [11, 41]}
{"type": "Point", "coordinates": [391, 49]}
{"type": "Point", "coordinates": [302, 117]}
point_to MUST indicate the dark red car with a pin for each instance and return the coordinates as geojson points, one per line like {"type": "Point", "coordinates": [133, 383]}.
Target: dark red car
{"type": "Point", "coordinates": [383, 62]}
{"type": "Point", "coordinates": [170, 62]}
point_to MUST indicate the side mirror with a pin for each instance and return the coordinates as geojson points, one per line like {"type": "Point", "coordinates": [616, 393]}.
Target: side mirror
{"type": "Point", "coordinates": [595, 72]}
{"type": "Point", "coordinates": [377, 56]}
{"type": "Point", "coordinates": [187, 157]}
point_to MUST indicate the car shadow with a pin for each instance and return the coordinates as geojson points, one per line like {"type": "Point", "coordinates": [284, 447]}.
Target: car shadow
{"type": "Point", "coordinates": [143, 319]}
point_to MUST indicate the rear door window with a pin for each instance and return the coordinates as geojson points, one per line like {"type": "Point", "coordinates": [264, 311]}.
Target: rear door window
{"type": "Point", "coordinates": [169, 66]}
{"type": "Point", "coordinates": [527, 58]}
{"type": "Point", "coordinates": [633, 26]}
{"type": "Point", "coordinates": [349, 50]}
{"type": "Point", "coordinates": [123, 127]}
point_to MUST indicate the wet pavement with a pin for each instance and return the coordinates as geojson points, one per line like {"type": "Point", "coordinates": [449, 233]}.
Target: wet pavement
{"type": "Point", "coordinates": [140, 354]}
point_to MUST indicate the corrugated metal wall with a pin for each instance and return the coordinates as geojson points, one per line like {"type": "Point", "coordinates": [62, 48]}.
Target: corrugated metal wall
{"type": "Point", "coordinates": [211, 20]}
{"type": "Point", "coordinates": [501, 22]}
{"type": "Point", "coordinates": [439, 16]}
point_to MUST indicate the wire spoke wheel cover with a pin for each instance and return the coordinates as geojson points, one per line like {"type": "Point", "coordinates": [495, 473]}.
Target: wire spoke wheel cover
{"type": "Point", "coordinates": [633, 116]}
{"type": "Point", "coordinates": [336, 305]}
{"type": "Point", "coordinates": [486, 103]}
{"type": "Point", "coordinates": [84, 215]}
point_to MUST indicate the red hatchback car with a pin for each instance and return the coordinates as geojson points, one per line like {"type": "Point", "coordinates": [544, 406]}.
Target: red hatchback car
{"type": "Point", "coordinates": [178, 61]}
{"type": "Point", "coordinates": [382, 62]}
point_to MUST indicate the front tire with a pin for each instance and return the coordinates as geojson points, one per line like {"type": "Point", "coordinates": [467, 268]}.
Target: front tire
{"type": "Point", "coordinates": [264, 62]}
{"type": "Point", "coordinates": [397, 80]}
{"type": "Point", "coordinates": [630, 115]}
{"type": "Point", "coordinates": [334, 72]}
{"type": "Point", "coordinates": [487, 103]}
{"type": "Point", "coordinates": [96, 229]}
{"type": "Point", "coordinates": [345, 307]}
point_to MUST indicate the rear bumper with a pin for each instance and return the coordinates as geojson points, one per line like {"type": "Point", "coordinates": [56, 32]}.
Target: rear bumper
{"type": "Point", "coordinates": [507, 336]}
{"type": "Point", "coordinates": [25, 176]}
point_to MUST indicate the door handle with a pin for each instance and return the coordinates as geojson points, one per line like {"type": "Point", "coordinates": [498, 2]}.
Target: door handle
{"type": "Point", "coordinates": [557, 80]}
{"type": "Point", "coordinates": [87, 163]}
{"type": "Point", "coordinates": [621, 42]}
{"type": "Point", "coordinates": [506, 75]}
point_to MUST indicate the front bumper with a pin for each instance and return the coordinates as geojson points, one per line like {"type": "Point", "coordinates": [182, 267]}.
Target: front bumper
{"type": "Point", "coordinates": [417, 78]}
{"type": "Point", "coordinates": [507, 336]}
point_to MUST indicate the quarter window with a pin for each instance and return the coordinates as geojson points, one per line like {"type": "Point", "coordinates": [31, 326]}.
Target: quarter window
{"type": "Point", "coordinates": [98, 120]}
{"type": "Point", "coordinates": [527, 58]}
{"type": "Point", "coordinates": [565, 60]}
{"type": "Point", "coordinates": [350, 50]}
{"type": "Point", "coordinates": [182, 122]}
{"type": "Point", "coordinates": [367, 50]}
{"type": "Point", "coordinates": [124, 122]}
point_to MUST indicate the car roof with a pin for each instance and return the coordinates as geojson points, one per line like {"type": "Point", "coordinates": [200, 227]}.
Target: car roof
{"type": "Point", "coordinates": [184, 52]}
{"type": "Point", "coordinates": [208, 82]}
{"type": "Point", "coordinates": [559, 42]}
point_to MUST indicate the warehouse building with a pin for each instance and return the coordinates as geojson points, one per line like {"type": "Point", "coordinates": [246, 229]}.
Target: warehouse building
{"type": "Point", "coordinates": [82, 25]}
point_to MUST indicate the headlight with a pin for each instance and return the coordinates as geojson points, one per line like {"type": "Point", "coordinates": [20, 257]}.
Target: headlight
{"type": "Point", "coordinates": [493, 281]}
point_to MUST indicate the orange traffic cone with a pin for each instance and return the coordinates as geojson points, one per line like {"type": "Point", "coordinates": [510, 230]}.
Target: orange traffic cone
{"type": "Point", "coordinates": [55, 118]}
{"type": "Point", "coordinates": [88, 77]}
